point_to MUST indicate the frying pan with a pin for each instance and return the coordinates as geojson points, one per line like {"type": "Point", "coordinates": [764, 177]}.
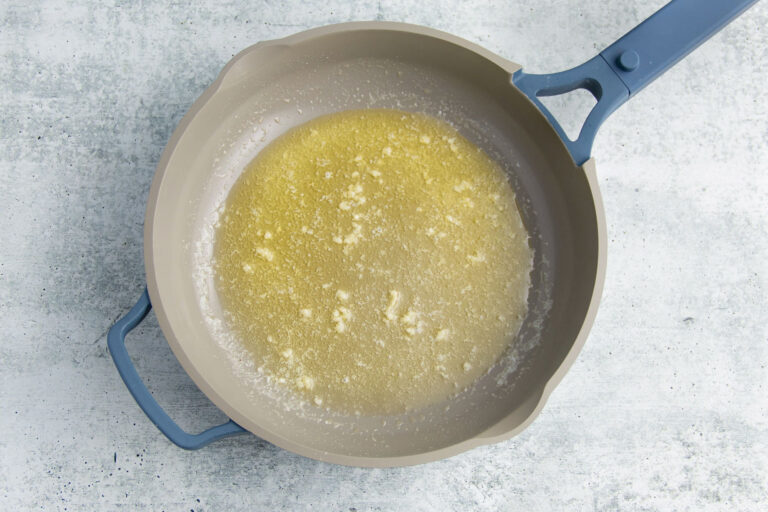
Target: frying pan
{"type": "Point", "coordinates": [276, 85]}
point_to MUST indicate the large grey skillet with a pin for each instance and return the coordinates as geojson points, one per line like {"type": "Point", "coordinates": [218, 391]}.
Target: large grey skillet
{"type": "Point", "coordinates": [276, 85]}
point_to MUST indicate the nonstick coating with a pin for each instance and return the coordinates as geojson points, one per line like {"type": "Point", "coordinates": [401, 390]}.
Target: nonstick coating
{"type": "Point", "coordinates": [276, 85]}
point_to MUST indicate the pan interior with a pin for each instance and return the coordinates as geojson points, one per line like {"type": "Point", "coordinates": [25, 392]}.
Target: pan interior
{"type": "Point", "coordinates": [278, 86]}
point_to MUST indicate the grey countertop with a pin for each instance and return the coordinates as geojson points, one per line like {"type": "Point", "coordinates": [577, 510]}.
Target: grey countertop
{"type": "Point", "coordinates": [665, 409]}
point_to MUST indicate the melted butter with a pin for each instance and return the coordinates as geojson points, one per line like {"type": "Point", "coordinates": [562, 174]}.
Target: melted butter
{"type": "Point", "coordinates": [373, 261]}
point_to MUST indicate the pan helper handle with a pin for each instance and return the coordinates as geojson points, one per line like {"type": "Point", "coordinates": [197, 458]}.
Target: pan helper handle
{"type": "Point", "coordinates": [631, 63]}
{"type": "Point", "coordinates": [116, 343]}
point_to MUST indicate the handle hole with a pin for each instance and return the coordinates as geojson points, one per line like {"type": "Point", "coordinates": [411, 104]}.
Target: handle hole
{"type": "Point", "coordinates": [165, 378]}
{"type": "Point", "coordinates": [570, 109]}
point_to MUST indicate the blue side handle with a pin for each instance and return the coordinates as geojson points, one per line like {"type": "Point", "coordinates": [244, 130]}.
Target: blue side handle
{"type": "Point", "coordinates": [631, 63]}
{"type": "Point", "coordinates": [116, 343]}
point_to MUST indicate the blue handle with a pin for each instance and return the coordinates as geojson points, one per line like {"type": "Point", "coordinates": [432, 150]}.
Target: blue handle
{"type": "Point", "coordinates": [631, 63]}
{"type": "Point", "coordinates": [116, 343]}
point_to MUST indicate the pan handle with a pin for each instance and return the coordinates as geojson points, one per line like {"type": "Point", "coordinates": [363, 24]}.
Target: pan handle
{"type": "Point", "coordinates": [631, 63]}
{"type": "Point", "coordinates": [116, 344]}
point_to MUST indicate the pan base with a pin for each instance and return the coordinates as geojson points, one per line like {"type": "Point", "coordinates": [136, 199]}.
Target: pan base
{"type": "Point", "coordinates": [373, 261]}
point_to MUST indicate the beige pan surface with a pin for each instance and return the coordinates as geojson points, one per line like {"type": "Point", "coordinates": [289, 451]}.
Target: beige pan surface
{"type": "Point", "coordinates": [274, 86]}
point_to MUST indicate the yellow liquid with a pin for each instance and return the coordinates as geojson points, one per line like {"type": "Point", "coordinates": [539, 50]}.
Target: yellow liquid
{"type": "Point", "coordinates": [373, 261]}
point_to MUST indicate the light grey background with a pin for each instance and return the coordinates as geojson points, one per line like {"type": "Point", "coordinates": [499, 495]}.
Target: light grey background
{"type": "Point", "coordinates": [665, 409]}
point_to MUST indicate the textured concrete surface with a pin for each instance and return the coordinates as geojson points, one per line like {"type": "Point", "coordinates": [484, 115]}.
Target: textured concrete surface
{"type": "Point", "coordinates": [665, 409]}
